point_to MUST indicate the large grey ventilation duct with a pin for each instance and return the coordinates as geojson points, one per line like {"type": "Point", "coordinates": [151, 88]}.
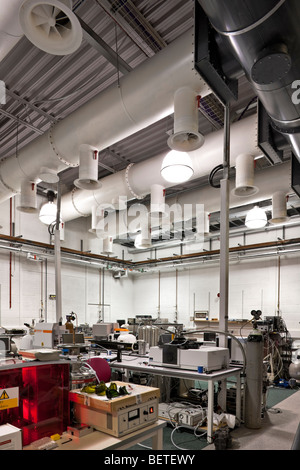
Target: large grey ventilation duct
{"type": "Point", "coordinates": [264, 37]}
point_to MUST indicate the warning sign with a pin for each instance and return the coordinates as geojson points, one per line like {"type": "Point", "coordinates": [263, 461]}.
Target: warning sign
{"type": "Point", "coordinates": [9, 398]}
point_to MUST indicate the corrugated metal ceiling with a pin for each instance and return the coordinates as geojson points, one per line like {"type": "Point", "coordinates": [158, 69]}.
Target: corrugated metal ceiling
{"type": "Point", "coordinates": [43, 88]}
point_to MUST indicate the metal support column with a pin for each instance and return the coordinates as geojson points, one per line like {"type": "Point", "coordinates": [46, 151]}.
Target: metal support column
{"type": "Point", "coordinates": [57, 253]}
{"type": "Point", "coordinates": [224, 231]}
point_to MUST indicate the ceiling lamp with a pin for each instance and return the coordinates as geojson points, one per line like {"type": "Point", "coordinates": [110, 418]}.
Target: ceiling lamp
{"type": "Point", "coordinates": [177, 167]}
{"type": "Point", "coordinates": [48, 212]}
{"type": "Point", "coordinates": [256, 218]}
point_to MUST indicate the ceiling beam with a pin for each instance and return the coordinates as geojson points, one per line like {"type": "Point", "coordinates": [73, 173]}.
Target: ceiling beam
{"type": "Point", "coordinates": [105, 50]}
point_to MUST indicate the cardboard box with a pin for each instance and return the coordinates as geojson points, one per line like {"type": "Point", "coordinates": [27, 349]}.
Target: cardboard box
{"type": "Point", "coordinates": [10, 437]}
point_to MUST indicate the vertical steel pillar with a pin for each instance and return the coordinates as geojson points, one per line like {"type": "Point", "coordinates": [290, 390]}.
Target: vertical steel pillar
{"type": "Point", "coordinates": [224, 232]}
{"type": "Point", "coordinates": [57, 253]}
{"type": "Point", "coordinates": [224, 246]}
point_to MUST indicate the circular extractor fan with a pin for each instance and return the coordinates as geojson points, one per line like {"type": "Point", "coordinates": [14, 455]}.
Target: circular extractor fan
{"type": "Point", "coordinates": [51, 25]}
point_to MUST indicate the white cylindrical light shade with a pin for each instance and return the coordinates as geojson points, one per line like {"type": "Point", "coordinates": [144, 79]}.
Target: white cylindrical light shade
{"type": "Point", "coordinates": [177, 167]}
{"type": "Point", "coordinates": [244, 180]}
{"type": "Point", "coordinates": [279, 208]}
{"type": "Point", "coordinates": [47, 213]}
{"type": "Point", "coordinates": [88, 168]}
{"type": "Point", "coordinates": [256, 218]}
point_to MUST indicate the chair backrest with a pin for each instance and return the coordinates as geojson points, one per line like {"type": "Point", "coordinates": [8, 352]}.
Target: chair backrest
{"type": "Point", "coordinates": [101, 367]}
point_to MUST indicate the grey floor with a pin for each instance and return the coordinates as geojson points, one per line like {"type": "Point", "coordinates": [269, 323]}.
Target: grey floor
{"type": "Point", "coordinates": [279, 425]}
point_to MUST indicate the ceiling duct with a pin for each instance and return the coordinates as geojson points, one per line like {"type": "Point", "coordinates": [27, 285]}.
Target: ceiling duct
{"type": "Point", "coordinates": [143, 239]}
{"type": "Point", "coordinates": [48, 175]}
{"type": "Point", "coordinates": [144, 96]}
{"type": "Point", "coordinates": [144, 175]}
{"type": "Point", "coordinates": [88, 168]}
{"type": "Point", "coordinates": [98, 214]}
{"type": "Point", "coordinates": [264, 38]}
{"type": "Point", "coordinates": [279, 208]}
{"type": "Point", "coordinates": [51, 25]}
{"type": "Point", "coordinates": [107, 246]}
{"type": "Point", "coordinates": [244, 178]}
{"type": "Point", "coordinates": [10, 28]}
{"type": "Point", "coordinates": [28, 198]}
{"type": "Point", "coordinates": [186, 136]}
{"type": "Point", "coordinates": [158, 203]}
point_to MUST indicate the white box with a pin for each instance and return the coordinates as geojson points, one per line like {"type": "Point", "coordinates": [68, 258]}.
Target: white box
{"type": "Point", "coordinates": [10, 437]}
{"type": "Point", "coordinates": [101, 330]}
{"type": "Point", "coordinates": [209, 358]}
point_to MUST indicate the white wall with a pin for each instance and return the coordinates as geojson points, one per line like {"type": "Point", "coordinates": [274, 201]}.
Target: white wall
{"type": "Point", "coordinates": [82, 286]}
{"type": "Point", "coordinates": [253, 284]}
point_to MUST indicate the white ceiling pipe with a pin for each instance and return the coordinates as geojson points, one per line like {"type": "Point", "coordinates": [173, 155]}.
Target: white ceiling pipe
{"type": "Point", "coordinates": [276, 176]}
{"type": "Point", "coordinates": [143, 97]}
{"type": "Point", "coordinates": [10, 28]}
{"type": "Point", "coordinates": [198, 203]}
{"type": "Point", "coordinates": [243, 139]}
{"type": "Point", "coordinates": [136, 181]}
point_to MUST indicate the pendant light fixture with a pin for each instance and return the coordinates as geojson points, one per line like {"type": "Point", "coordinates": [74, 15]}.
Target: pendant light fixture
{"type": "Point", "coordinates": [256, 218]}
{"type": "Point", "coordinates": [48, 211]}
{"type": "Point", "coordinates": [177, 167]}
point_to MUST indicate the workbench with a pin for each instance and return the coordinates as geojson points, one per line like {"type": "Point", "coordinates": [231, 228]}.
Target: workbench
{"type": "Point", "coordinates": [140, 364]}
{"type": "Point", "coordinates": [97, 440]}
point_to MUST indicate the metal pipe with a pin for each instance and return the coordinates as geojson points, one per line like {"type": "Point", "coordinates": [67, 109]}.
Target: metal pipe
{"type": "Point", "coordinates": [264, 38]}
{"type": "Point", "coordinates": [57, 254]}
{"type": "Point", "coordinates": [224, 228]}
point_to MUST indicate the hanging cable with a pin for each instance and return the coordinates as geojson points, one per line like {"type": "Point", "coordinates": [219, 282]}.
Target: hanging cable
{"type": "Point", "coordinates": [212, 175]}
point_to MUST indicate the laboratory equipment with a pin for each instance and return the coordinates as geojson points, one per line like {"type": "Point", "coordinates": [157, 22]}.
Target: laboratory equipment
{"type": "Point", "coordinates": [34, 398]}
{"type": "Point", "coordinates": [202, 359]}
{"type": "Point", "coordinates": [117, 416]}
